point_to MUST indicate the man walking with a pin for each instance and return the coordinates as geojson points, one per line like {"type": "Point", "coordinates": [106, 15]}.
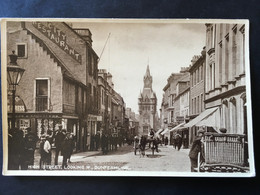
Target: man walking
{"type": "Point", "coordinates": [59, 138]}
{"type": "Point", "coordinates": [195, 150]}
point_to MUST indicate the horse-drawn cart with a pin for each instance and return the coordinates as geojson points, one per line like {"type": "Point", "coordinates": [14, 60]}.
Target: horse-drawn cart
{"type": "Point", "coordinates": [223, 153]}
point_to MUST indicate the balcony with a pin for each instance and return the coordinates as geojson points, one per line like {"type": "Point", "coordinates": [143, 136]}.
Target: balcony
{"type": "Point", "coordinates": [42, 103]}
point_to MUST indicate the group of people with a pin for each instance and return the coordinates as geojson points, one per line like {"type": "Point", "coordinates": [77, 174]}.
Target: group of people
{"type": "Point", "coordinates": [151, 140]}
{"type": "Point", "coordinates": [22, 146]}
{"type": "Point", "coordinates": [109, 143]}
{"type": "Point", "coordinates": [21, 149]}
{"type": "Point", "coordinates": [64, 145]}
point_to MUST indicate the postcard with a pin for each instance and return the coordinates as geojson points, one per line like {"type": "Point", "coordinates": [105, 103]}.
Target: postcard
{"type": "Point", "coordinates": [126, 97]}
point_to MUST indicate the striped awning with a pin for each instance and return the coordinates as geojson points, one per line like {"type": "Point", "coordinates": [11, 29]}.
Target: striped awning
{"type": "Point", "coordinates": [201, 116]}
{"type": "Point", "coordinates": [177, 127]}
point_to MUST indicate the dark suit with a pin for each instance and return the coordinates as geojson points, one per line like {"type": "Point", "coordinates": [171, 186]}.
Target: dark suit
{"type": "Point", "coordinates": [194, 151]}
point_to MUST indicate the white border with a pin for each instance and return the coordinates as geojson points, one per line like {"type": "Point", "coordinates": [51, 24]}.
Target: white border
{"type": "Point", "coordinates": [251, 173]}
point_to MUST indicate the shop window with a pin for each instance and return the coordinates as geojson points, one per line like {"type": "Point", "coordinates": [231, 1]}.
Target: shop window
{"type": "Point", "coordinates": [21, 50]}
{"type": "Point", "coordinates": [42, 91]}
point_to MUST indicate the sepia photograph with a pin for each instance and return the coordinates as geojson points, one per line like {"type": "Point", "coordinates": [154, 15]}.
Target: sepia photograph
{"type": "Point", "coordinates": [126, 97]}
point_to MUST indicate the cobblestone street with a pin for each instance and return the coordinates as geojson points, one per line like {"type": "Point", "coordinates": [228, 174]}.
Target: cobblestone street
{"type": "Point", "coordinates": [168, 159]}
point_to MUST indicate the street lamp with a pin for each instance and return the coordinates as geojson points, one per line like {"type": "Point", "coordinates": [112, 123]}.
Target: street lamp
{"type": "Point", "coordinates": [14, 75]}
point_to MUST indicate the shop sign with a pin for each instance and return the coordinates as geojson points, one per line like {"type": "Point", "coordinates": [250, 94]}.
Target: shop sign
{"type": "Point", "coordinates": [58, 37]}
{"type": "Point", "coordinates": [180, 119]}
{"type": "Point", "coordinates": [19, 105]}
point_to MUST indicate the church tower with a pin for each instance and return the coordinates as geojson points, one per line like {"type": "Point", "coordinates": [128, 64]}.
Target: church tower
{"type": "Point", "coordinates": [147, 102]}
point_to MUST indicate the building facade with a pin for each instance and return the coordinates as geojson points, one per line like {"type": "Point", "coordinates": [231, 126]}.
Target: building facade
{"type": "Point", "coordinates": [147, 103]}
{"type": "Point", "coordinates": [60, 79]}
{"type": "Point", "coordinates": [197, 90]}
{"type": "Point", "coordinates": [225, 77]}
{"type": "Point", "coordinates": [170, 109]}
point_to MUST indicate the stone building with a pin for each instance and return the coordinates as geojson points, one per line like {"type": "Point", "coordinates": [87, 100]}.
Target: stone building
{"type": "Point", "coordinates": [225, 80]}
{"type": "Point", "coordinates": [170, 108]}
{"type": "Point", "coordinates": [197, 90]}
{"type": "Point", "coordinates": [59, 85]}
{"type": "Point", "coordinates": [147, 102]}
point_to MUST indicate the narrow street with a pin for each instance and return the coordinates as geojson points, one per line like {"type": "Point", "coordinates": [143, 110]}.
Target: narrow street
{"type": "Point", "coordinates": [168, 159]}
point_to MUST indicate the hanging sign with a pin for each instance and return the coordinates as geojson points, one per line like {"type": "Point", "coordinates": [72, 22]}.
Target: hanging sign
{"type": "Point", "coordinates": [19, 105]}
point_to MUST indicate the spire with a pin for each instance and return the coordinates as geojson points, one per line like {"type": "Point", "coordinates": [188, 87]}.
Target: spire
{"type": "Point", "coordinates": [147, 74]}
{"type": "Point", "coordinates": [148, 78]}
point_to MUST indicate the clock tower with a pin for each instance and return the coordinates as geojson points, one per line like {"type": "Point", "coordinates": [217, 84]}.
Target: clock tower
{"type": "Point", "coordinates": [147, 102]}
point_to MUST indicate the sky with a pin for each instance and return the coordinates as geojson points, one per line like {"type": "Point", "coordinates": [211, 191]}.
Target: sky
{"type": "Point", "coordinates": [131, 46]}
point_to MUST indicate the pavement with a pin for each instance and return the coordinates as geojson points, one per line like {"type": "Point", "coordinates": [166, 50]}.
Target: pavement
{"type": "Point", "coordinates": [124, 159]}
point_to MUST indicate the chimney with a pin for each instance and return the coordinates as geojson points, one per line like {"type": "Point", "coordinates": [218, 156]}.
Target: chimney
{"type": "Point", "coordinates": [194, 59]}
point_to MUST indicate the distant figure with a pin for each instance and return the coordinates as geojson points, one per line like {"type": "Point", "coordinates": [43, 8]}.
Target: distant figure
{"type": "Point", "coordinates": [97, 141]}
{"type": "Point", "coordinates": [178, 140]}
{"type": "Point", "coordinates": [174, 141]}
{"type": "Point", "coordinates": [166, 141]}
{"type": "Point", "coordinates": [59, 138]}
{"type": "Point", "coordinates": [104, 143]}
{"type": "Point", "coordinates": [195, 150]}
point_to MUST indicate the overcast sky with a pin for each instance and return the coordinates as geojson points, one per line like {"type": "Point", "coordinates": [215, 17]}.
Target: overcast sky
{"type": "Point", "coordinates": [166, 47]}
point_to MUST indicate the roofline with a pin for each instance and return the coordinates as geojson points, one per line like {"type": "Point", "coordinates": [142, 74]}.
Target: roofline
{"type": "Point", "coordinates": [81, 38]}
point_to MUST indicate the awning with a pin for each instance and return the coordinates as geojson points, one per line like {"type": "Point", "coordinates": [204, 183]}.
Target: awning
{"type": "Point", "coordinates": [159, 131]}
{"type": "Point", "coordinates": [165, 131]}
{"type": "Point", "coordinates": [212, 120]}
{"type": "Point", "coordinates": [177, 127]}
{"type": "Point", "coordinates": [201, 116]}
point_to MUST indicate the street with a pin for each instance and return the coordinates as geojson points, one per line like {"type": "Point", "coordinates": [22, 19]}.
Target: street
{"type": "Point", "coordinates": [168, 159]}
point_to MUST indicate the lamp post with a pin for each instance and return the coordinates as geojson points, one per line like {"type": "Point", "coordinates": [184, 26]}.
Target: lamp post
{"type": "Point", "coordinates": [14, 75]}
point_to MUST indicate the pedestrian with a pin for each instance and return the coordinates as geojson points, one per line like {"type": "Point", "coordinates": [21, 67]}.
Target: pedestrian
{"type": "Point", "coordinates": [104, 143]}
{"type": "Point", "coordinates": [97, 139]}
{"type": "Point", "coordinates": [72, 145]}
{"type": "Point", "coordinates": [47, 151]}
{"type": "Point", "coordinates": [66, 150]}
{"type": "Point", "coordinates": [178, 141]}
{"type": "Point", "coordinates": [59, 138]}
{"type": "Point", "coordinates": [42, 152]}
{"type": "Point", "coordinates": [30, 145]}
{"type": "Point", "coordinates": [195, 150]}
{"type": "Point", "coordinates": [166, 141]}
{"type": "Point", "coordinates": [174, 141]}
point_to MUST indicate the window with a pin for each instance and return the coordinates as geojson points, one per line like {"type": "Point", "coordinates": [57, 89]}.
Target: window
{"type": "Point", "coordinates": [220, 61]}
{"type": "Point", "coordinates": [42, 95]}
{"type": "Point", "coordinates": [226, 58]}
{"type": "Point", "coordinates": [21, 50]}
{"type": "Point", "coordinates": [234, 51]}
{"type": "Point", "coordinates": [90, 59]}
